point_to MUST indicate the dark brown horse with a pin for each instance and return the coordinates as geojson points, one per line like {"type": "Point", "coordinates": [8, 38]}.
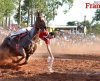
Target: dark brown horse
{"type": "Point", "coordinates": [24, 44]}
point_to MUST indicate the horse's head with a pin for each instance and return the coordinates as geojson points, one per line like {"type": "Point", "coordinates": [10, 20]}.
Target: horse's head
{"type": "Point", "coordinates": [40, 23]}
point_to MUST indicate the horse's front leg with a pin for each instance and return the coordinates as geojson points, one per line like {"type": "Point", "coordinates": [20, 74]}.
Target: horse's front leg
{"type": "Point", "coordinates": [25, 62]}
{"type": "Point", "coordinates": [28, 52]}
{"type": "Point", "coordinates": [14, 59]}
{"type": "Point", "coordinates": [31, 50]}
{"type": "Point", "coordinates": [34, 47]}
{"type": "Point", "coordinates": [19, 60]}
{"type": "Point", "coordinates": [27, 57]}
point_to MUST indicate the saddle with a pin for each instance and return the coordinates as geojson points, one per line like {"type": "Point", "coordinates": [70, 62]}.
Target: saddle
{"type": "Point", "coordinates": [19, 36]}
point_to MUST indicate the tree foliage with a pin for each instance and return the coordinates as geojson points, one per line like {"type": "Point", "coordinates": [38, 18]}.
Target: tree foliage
{"type": "Point", "coordinates": [95, 22]}
{"type": "Point", "coordinates": [6, 7]}
{"type": "Point", "coordinates": [86, 23]}
{"type": "Point", "coordinates": [71, 23]}
{"type": "Point", "coordinates": [97, 15]}
{"type": "Point", "coordinates": [96, 28]}
{"type": "Point", "coordinates": [47, 7]}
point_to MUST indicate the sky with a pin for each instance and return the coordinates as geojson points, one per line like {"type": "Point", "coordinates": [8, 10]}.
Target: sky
{"type": "Point", "coordinates": [76, 13]}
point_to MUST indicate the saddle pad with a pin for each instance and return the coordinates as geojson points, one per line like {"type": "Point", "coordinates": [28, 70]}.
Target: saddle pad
{"type": "Point", "coordinates": [23, 30]}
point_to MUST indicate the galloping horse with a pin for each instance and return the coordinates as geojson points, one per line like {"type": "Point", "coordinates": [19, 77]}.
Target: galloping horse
{"type": "Point", "coordinates": [23, 44]}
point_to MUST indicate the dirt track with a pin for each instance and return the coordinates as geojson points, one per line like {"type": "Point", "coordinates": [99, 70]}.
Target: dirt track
{"type": "Point", "coordinates": [73, 62]}
{"type": "Point", "coordinates": [65, 70]}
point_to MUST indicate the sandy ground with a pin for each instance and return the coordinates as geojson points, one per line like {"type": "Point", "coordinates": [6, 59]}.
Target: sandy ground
{"type": "Point", "coordinates": [79, 61]}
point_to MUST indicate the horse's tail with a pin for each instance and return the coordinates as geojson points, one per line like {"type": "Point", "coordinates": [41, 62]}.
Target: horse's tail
{"type": "Point", "coordinates": [5, 43]}
{"type": "Point", "coordinates": [4, 50]}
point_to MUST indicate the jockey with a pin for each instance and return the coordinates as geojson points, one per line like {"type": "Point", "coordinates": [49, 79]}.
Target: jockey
{"type": "Point", "coordinates": [46, 36]}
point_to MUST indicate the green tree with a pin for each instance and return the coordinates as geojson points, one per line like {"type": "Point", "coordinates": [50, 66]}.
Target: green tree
{"type": "Point", "coordinates": [96, 28]}
{"type": "Point", "coordinates": [71, 23]}
{"type": "Point", "coordinates": [88, 25]}
{"type": "Point", "coordinates": [96, 19]}
{"type": "Point", "coordinates": [97, 15]}
{"type": "Point", "coordinates": [48, 7]}
{"type": "Point", "coordinates": [6, 9]}
{"type": "Point", "coordinates": [9, 9]}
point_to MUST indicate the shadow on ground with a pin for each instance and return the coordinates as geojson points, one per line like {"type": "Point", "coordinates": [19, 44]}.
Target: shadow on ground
{"type": "Point", "coordinates": [56, 77]}
{"type": "Point", "coordinates": [74, 56]}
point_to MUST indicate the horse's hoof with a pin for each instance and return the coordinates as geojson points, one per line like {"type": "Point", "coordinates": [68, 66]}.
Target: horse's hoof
{"type": "Point", "coordinates": [23, 63]}
{"type": "Point", "coordinates": [14, 61]}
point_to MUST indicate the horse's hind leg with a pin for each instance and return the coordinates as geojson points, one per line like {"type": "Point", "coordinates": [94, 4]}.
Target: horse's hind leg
{"type": "Point", "coordinates": [23, 53]}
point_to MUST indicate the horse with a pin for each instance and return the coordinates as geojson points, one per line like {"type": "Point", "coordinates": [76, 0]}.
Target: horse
{"type": "Point", "coordinates": [24, 44]}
